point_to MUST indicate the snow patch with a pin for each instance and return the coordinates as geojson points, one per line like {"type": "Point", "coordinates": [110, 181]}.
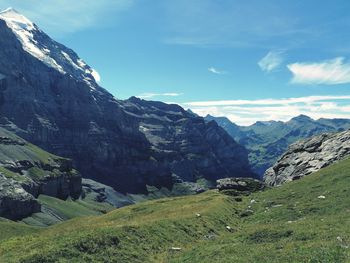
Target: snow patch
{"type": "Point", "coordinates": [96, 75]}
{"type": "Point", "coordinates": [68, 58]}
{"type": "Point", "coordinates": [23, 28]}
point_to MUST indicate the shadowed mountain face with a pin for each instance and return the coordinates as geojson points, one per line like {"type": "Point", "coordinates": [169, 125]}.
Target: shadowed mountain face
{"type": "Point", "coordinates": [267, 141]}
{"type": "Point", "coordinates": [49, 96]}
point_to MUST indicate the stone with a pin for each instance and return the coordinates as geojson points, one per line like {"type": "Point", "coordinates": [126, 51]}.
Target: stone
{"type": "Point", "coordinates": [27, 172]}
{"type": "Point", "coordinates": [308, 156]}
{"type": "Point", "coordinates": [237, 186]}
{"type": "Point", "coordinates": [15, 202]}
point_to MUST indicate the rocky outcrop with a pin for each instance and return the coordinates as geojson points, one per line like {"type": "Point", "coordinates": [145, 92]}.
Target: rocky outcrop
{"type": "Point", "coordinates": [308, 156]}
{"type": "Point", "coordinates": [15, 202]}
{"type": "Point", "coordinates": [125, 144]}
{"type": "Point", "coordinates": [26, 171]}
{"type": "Point", "coordinates": [239, 186]}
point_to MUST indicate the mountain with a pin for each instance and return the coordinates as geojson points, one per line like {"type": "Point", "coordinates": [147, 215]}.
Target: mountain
{"type": "Point", "coordinates": [50, 97]}
{"type": "Point", "coordinates": [26, 172]}
{"type": "Point", "coordinates": [267, 141]}
{"type": "Point", "coordinates": [301, 221]}
{"type": "Point", "coordinates": [307, 156]}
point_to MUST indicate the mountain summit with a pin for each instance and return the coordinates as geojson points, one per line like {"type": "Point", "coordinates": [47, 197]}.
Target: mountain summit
{"type": "Point", "coordinates": [49, 96]}
{"type": "Point", "coordinates": [39, 45]}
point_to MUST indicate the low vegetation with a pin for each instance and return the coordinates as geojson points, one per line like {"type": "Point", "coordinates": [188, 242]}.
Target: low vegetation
{"type": "Point", "coordinates": [302, 221]}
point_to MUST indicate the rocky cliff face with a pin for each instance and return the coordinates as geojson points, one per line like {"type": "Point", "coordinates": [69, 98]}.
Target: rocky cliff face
{"type": "Point", "coordinates": [308, 156]}
{"type": "Point", "coordinates": [26, 171]}
{"type": "Point", "coordinates": [184, 145]}
{"type": "Point", "coordinates": [63, 110]}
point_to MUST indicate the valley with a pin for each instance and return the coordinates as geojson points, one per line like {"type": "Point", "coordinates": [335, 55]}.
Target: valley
{"type": "Point", "coordinates": [89, 177]}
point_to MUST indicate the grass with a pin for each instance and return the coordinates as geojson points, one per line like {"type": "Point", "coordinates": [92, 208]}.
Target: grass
{"type": "Point", "coordinates": [22, 150]}
{"type": "Point", "coordinates": [57, 210]}
{"type": "Point", "coordinates": [285, 224]}
{"type": "Point", "coordinates": [10, 229]}
{"type": "Point", "coordinates": [11, 175]}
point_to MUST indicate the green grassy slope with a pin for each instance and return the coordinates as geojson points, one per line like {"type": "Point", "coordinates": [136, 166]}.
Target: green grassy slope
{"type": "Point", "coordinates": [9, 229]}
{"type": "Point", "coordinates": [291, 223]}
{"type": "Point", "coordinates": [56, 210]}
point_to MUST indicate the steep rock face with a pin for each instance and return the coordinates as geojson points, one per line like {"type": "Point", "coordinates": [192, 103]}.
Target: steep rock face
{"type": "Point", "coordinates": [267, 141]}
{"type": "Point", "coordinates": [308, 156]}
{"type": "Point", "coordinates": [187, 146]}
{"type": "Point", "coordinates": [63, 110]}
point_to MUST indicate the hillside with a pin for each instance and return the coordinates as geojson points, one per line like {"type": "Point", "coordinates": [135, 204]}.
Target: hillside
{"type": "Point", "coordinates": [27, 171]}
{"type": "Point", "coordinates": [267, 141]}
{"type": "Point", "coordinates": [42, 189]}
{"type": "Point", "coordinates": [301, 221]}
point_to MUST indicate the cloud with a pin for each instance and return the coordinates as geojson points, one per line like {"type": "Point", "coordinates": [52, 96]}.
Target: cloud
{"type": "Point", "coordinates": [152, 95]}
{"type": "Point", "coordinates": [66, 16]}
{"type": "Point", "coordinates": [271, 61]}
{"type": "Point", "coordinates": [328, 72]}
{"type": "Point", "coordinates": [216, 71]}
{"type": "Point", "coordinates": [247, 112]}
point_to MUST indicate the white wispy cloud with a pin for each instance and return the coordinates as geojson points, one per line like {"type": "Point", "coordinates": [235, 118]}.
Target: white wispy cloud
{"type": "Point", "coordinates": [271, 61]}
{"type": "Point", "coordinates": [328, 72]}
{"type": "Point", "coordinates": [246, 112]}
{"type": "Point", "coordinates": [217, 71]}
{"type": "Point", "coordinates": [66, 16]}
{"type": "Point", "coordinates": [152, 95]}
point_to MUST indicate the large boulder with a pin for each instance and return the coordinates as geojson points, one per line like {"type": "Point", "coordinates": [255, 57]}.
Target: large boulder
{"type": "Point", "coordinates": [307, 156]}
{"type": "Point", "coordinates": [239, 186]}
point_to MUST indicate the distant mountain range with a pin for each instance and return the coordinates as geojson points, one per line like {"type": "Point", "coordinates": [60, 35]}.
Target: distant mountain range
{"type": "Point", "coordinates": [267, 141]}
{"type": "Point", "coordinates": [49, 97]}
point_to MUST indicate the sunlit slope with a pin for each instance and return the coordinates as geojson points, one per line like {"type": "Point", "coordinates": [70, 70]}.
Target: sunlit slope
{"type": "Point", "coordinates": [302, 221]}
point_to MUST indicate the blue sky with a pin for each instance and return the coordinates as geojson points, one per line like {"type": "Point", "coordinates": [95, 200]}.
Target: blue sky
{"type": "Point", "coordinates": [248, 60]}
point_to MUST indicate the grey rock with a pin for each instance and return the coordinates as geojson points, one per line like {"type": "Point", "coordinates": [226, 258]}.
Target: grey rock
{"type": "Point", "coordinates": [307, 156]}
{"type": "Point", "coordinates": [243, 185]}
{"type": "Point", "coordinates": [26, 172]}
{"type": "Point", "coordinates": [15, 202]}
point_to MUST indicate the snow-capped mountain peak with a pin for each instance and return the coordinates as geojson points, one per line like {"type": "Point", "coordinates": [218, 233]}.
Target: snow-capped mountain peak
{"type": "Point", "coordinates": [42, 47]}
{"type": "Point", "coordinates": [12, 16]}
